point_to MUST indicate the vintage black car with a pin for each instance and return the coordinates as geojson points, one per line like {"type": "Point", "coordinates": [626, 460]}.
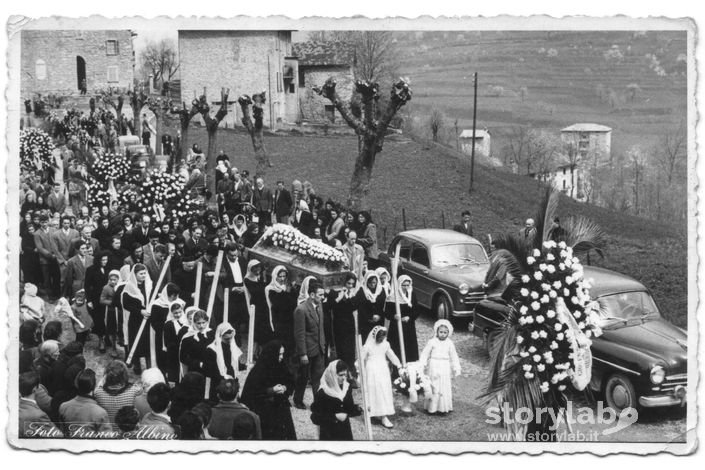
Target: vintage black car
{"type": "Point", "coordinates": [447, 269]}
{"type": "Point", "coordinates": [639, 361]}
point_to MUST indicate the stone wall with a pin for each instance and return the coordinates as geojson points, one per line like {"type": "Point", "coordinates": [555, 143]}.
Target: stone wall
{"type": "Point", "coordinates": [50, 65]}
{"type": "Point", "coordinates": [247, 62]}
{"type": "Point", "coordinates": [313, 105]}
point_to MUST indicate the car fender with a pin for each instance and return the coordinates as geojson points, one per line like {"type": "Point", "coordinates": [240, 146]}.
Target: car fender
{"type": "Point", "coordinates": [437, 293]}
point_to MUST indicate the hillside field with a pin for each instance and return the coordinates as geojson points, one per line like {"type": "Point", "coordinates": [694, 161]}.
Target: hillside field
{"type": "Point", "coordinates": [563, 73]}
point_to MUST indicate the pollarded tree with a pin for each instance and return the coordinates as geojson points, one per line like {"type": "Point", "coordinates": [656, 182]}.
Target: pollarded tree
{"type": "Point", "coordinates": [256, 128]}
{"type": "Point", "coordinates": [185, 116]}
{"type": "Point", "coordinates": [212, 123]}
{"type": "Point", "coordinates": [370, 130]}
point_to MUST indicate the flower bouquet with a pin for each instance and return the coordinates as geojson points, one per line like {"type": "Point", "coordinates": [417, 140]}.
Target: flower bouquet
{"type": "Point", "coordinates": [111, 166]}
{"type": "Point", "coordinates": [412, 381]}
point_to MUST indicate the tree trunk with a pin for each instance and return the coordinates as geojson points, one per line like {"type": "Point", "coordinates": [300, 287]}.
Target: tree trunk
{"type": "Point", "coordinates": [362, 174]}
{"type": "Point", "coordinates": [210, 156]}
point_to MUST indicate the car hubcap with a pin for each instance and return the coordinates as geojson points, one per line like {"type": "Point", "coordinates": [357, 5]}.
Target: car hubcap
{"type": "Point", "coordinates": [620, 396]}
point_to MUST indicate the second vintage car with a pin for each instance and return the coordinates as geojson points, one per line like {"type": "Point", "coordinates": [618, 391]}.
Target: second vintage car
{"type": "Point", "coordinates": [447, 269]}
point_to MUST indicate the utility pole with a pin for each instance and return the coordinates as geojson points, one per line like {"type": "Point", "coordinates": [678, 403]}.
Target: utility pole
{"type": "Point", "coordinates": [474, 124]}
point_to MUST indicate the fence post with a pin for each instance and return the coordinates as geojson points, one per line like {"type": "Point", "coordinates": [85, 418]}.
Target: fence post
{"type": "Point", "coordinates": [424, 221]}
{"type": "Point", "coordinates": [443, 219]}
{"type": "Point", "coordinates": [403, 218]}
{"type": "Point", "coordinates": [384, 235]}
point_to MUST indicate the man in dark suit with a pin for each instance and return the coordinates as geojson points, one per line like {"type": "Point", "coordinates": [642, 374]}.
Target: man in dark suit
{"type": "Point", "coordinates": [282, 203]}
{"type": "Point", "coordinates": [76, 269]}
{"type": "Point", "coordinates": [233, 420]}
{"type": "Point", "coordinates": [47, 259]}
{"type": "Point", "coordinates": [234, 270]}
{"type": "Point", "coordinates": [195, 246]}
{"type": "Point", "coordinates": [61, 241]}
{"type": "Point", "coordinates": [141, 234]}
{"type": "Point", "coordinates": [465, 226]}
{"type": "Point", "coordinates": [263, 200]}
{"type": "Point", "coordinates": [309, 337]}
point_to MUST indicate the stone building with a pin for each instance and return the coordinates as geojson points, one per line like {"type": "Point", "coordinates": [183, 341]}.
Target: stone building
{"type": "Point", "coordinates": [246, 62]}
{"type": "Point", "coordinates": [317, 62]}
{"type": "Point", "coordinates": [590, 140]}
{"type": "Point", "coordinates": [58, 61]}
{"type": "Point", "coordinates": [483, 143]}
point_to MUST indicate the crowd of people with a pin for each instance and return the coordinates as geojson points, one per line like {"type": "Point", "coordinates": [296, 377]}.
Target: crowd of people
{"type": "Point", "coordinates": [127, 281]}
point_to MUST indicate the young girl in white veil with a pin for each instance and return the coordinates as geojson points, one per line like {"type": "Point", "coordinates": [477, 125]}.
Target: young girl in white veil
{"type": "Point", "coordinates": [378, 384]}
{"type": "Point", "coordinates": [441, 362]}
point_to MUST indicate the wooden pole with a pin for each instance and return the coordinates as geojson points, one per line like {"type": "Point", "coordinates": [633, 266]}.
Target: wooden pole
{"type": "Point", "coordinates": [250, 331]}
{"type": "Point", "coordinates": [155, 293]}
{"type": "Point", "coordinates": [474, 124]}
{"type": "Point", "coordinates": [489, 239]}
{"type": "Point", "coordinates": [197, 293]}
{"type": "Point", "coordinates": [397, 307]}
{"type": "Point", "coordinates": [443, 219]}
{"type": "Point", "coordinates": [363, 379]}
{"type": "Point", "coordinates": [214, 285]}
{"type": "Point", "coordinates": [403, 217]}
{"type": "Point", "coordinates": [226, 303]}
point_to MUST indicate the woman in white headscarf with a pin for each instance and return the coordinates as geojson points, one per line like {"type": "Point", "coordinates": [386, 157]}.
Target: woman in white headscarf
{"type": "Point", "coordinates": [303, 290]}
{"type": "Point", "coordinates": [333, 404]}
{"type": "Point", "coordinates": [222, 358]}
{"type": "Point", "coordinates": [378, 382]}
{"type": "Point", "coordinates": [281, 301]}
{"type": "Point", "coordinates": [371, 299]}
{"type": "Point", "coordinates": [409, 309]}
{"type": "Point", "coordinates": [135, 300]}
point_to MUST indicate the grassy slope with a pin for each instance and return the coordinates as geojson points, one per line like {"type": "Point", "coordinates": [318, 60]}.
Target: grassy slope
{"type": "Point", "coordinates": [425, 180]}
{"type": "Point", "coordinates": [561, 89]}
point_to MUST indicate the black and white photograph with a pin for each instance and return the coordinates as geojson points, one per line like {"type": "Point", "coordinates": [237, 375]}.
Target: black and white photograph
{"type": "Point", "coordinates": [430, 236]}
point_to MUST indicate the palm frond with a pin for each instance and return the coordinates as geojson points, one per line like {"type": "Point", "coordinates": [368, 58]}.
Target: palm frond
{"type": "Point", "coordinates": [584, 235]}
{"type": "Point", "coordinates": [506, 382]}
{"type": "Point", "coordinates": [544, 215]}
{"type": "Point", "coordinates": [504, 259]}
{"type": "Point", "coordinates": [515, 245]}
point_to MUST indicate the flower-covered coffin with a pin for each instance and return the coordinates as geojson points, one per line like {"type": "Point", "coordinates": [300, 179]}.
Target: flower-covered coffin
{"type": "Point", "coordinates": [284, 245]}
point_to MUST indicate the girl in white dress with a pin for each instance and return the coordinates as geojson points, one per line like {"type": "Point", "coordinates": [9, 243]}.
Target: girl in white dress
{"type": "Point", "coordinates": [378, 382]}
{"type": "Point", "coordinates": [439, 359]}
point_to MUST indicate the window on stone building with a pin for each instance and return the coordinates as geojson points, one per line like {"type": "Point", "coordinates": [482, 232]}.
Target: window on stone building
{"type": "Point", "coordinates": [40, 70]}
{"type": "Point", "coordinates": [113, 74]}
{"type": "Point", "coordinates": [302, 78]}
{"type": "Point", "coordinates": [330, 112]}
{"type": "Point", "coordinates": [111, 47]}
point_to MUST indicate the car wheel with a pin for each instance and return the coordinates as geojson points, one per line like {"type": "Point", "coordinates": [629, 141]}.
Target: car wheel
{"type": "Point", "coordinates": [443, 308]}
{"type": "Point", "coordinates": [620, 393]}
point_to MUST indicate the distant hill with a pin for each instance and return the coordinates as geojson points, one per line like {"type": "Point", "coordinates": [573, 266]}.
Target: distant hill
{"type": "Point", "coordinates": [633, 82]}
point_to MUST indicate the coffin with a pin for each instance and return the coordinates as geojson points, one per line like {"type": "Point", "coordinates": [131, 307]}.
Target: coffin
{"type": "Point", "coordinates": [330, 275]}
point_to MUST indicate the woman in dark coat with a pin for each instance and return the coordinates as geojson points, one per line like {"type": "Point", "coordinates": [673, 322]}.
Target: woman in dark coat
{"type": "Point", "coordinates": [135, 299]}
{"type": "Point", "coordinates": [266, 392]}
{"type": "Point", "coordinates": [281, 301]}
{"type": "Point", "coordinates": [96, 279]}
{"type": "Point", "coordinates": [371, 300]}
{"type": "Point", "coordinates": [221, 359]}
{"type": "Point", "coordinates": [333, 404]}
{"type": "Point", "coordinates": [409, 308]}
{"type": "Point", "coordinates": [192, 353]}
{"type": "Point", "coordinates": [343, 303]}
{"type": "Point", "coordinates": [29, 257]}
{"type": "Point", "coordinates": [255, 285]}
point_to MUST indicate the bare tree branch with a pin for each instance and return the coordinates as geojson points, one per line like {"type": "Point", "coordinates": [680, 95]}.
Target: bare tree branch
{"type": "Point", "coordinates": [328, 91]}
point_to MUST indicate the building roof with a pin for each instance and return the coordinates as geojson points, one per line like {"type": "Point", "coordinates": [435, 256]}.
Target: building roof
{"type": "Point", "coordinates": [479, 133]}
{"type": "Point", "coordinates": [330, 53]}
{"type": "Point", "coordinates": [586, 127]}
